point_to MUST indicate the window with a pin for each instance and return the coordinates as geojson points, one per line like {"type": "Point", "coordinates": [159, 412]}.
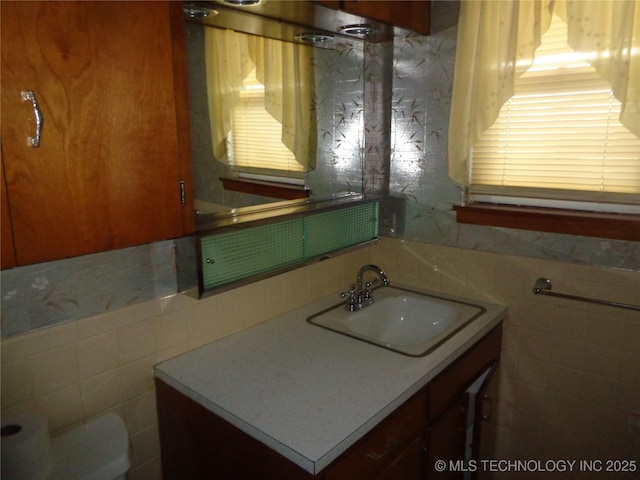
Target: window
{"type": "Point", "coordinates": [281, 143]}
{"type": "Point", "coordinates": [557, 158]}
{"type": "Point", "coordinates": [558, 141]}
{"type": "Point", "coordinates": [256, 137]}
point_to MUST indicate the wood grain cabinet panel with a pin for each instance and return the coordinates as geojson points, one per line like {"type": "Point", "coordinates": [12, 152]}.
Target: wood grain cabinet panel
{"type": "Point", "coordinates": [107, 79]}
{"type": "Point", "coordinates": [407, 14]}
{"type": "Point", "coordinates": [8, 259]}
{"type": "Point", "coordinates": [408, 464]}
{"type": "Point", "coordinates": [335, 4]}
{"type": "Point", "coordinates": [412, 14]}
{"type": "Point", "coordinates": [383, 448]}
{"type": "Point", "coordinates": [446, 440]}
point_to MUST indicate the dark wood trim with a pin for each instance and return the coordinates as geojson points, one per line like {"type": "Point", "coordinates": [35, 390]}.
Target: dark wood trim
{"type": "Point", "coordinates": [412, 15]}
{"type": "Point", "coordinates": [572, 222]}
{"type": "Point", "coordinates": [183, 120]}
{"type": "Point", "coordinates": [8, 253]}
{"type": "Point", "coordinates": [267, 189]}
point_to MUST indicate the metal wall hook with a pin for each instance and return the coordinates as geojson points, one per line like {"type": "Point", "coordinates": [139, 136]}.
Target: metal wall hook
{"type": "Point", "coordinates": [541, 284]}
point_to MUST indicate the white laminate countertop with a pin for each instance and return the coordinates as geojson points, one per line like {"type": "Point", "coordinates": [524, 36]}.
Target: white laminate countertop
{"type": "Point", "coordinates": [307, 392]}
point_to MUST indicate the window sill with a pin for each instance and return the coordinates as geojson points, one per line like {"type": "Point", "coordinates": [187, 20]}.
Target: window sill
{"type": "Point", "coordinates": [572, 222]}
{"type": "Point", "coordinates": [266, 189]}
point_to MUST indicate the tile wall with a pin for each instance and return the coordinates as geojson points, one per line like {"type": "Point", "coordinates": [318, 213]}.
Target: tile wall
{"type": "Point", "coordinates": [76, 370]}
{"type": "Point", "coordinates": [570, 371]}
{"type": "Point", "coordinates": [569, 376]}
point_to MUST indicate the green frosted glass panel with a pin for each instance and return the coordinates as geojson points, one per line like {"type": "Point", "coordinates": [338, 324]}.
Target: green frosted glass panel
{"type": "Point", "coordinates": [232, 256]}
{"type": "Point", "coordinates": [336, 229]}
{"type": "Point", "coordinates": [252, 251]}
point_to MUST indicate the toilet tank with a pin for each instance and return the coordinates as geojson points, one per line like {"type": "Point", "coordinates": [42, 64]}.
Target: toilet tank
{"type": "Point", "coordinates": [97, 450]}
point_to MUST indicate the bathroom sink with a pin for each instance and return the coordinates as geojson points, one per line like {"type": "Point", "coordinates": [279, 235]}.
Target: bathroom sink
{"type": "Point", "coordinates": [405, 321]}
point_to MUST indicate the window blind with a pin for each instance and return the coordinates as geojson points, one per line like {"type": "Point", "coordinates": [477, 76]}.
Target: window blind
{"type": "Point", "coordinates": [257, 137]}
{"type": "Point", "coordinates": [559, 136]}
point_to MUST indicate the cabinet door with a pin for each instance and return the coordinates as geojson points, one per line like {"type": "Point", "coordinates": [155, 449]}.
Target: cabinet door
{"type": "Point", "coordinates": [413, 14]}
{"type": "Point", "coordinates": [484, 423]}
{"type": "Point", "coordinates": [446, 440]}
{"type": "Point", "coordinates": [107, 172]}
{"type": "Point", "coordinates": [408, 465]}
{"type": "Point", "coordinates": [8, 259]}
{"type": "Point", "coordinates": [385, 446]}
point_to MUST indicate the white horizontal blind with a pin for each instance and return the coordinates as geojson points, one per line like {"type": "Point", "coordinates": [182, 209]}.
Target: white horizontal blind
{"type": "Point", "coordinates": [559, 136]}
{"type": "Point", "coordinates": [257, 137]}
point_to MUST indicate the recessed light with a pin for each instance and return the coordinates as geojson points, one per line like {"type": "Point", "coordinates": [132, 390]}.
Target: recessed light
{"type": "Point", "coordinates": [241, 3]}
{"type": "Point", "coordinates": [313, 37]}
{"type": "Point", "coordinates": [193, 11]}
{"type": "Point", "coordinates": [361, 29]}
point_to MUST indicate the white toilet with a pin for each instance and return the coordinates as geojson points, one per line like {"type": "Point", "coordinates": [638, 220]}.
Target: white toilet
{"type": "Point", "coordinates": [97, 450]}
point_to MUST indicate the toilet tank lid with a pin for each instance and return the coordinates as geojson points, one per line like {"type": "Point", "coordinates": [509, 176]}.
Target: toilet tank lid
{"type": "Point", "coordinates": [97, 450]}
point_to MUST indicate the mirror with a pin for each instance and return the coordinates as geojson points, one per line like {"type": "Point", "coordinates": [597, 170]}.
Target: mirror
{"type": "Point", "coordinates": [338, 102]}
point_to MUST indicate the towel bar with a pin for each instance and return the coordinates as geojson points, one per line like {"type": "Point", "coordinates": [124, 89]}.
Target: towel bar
{"type": "Point", "coordinates": [543, 287]}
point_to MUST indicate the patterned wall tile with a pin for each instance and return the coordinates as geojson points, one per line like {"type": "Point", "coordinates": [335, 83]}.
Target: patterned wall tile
{"type": "Point", "coordinates": [423, 69]}
{"type": "Point", "coordinates": [37, 296]}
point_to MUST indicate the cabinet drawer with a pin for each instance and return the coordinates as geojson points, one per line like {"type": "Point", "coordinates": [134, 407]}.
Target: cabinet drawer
{"type": "Point", "coordinates": [461, 373]}
{"type": "Point", "coordinates": [383, 444]}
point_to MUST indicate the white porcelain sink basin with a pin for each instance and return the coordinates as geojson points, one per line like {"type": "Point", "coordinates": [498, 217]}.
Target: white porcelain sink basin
{"type": "Point", "coordinates": [402, 320]}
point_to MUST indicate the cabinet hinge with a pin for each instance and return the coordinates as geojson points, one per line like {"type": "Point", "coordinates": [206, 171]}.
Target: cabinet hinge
{"type": "Point", "coordinates": [183, 195]}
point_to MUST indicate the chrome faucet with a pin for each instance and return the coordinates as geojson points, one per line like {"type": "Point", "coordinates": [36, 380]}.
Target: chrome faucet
{"type": "Point", "coordinates": [359, 296]}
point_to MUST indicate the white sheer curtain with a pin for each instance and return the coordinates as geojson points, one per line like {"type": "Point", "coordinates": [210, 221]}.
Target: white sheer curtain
{"type": "Point", "coordinates": [497, 42]}
{"type": "Point", "coordinates": [286, 71]}
{"type": "Point", "coordinates": [228, 63]}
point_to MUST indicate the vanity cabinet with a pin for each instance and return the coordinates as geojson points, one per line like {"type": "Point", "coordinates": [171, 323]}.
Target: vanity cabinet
{"type": "Point", "coordinates": [408, 464]}
{"type": "Point", "coordinates": [390, 448]}
{"type": "Point", "coordinates": [446, 438]}
{"type": "Point", "coordinates": [431, 425]}
{"type": "Point", "coordinates": [112, 168]}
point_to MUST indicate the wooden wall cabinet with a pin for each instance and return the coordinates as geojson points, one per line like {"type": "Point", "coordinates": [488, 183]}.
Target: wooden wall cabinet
{"type": "Point", "coordinates": [430, 426]}
{"type": "Point", "coordinates": [8, 259]}
{"type": "Point", "coordinates": [335, 4]}
{"type": "Point", "coordinates": [113, 166]}
{"type": "Point", "coordinates": [408, 14]}
{"type": "Point", "coordinates": [284, 19]}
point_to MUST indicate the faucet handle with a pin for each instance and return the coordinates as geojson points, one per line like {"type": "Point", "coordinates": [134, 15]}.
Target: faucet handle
{"type": "Point", "coordinates": [350, 295]}
{"type": "Point", "coordinates": [368, 285]}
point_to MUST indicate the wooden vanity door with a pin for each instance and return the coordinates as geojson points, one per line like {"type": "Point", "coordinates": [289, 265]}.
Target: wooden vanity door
{"type": "Point", "coordinates": [408, 465]}
{"type": "Point", "coordinates": [446, 441]}
{"type": "Point", "coordinates": [107, 173]}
